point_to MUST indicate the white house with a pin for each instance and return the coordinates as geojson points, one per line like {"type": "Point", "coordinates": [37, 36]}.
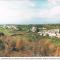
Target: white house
{"type": "Point", "coordinates": [40, 33]}
{"type": "Point", "coordinates": [58, 35]}
{"type": "Point", "coordinates": [11, 26]}
{"type": "Point", "coordinates": [52, 34]}
{"type": "Point", "coordinates": [54, 30]}
{"type": "Point", "coordinates": [33, 29]}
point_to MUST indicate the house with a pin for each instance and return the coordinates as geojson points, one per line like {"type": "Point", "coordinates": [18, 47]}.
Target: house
{"type": "Point", "coordinates": [54, 30]}
{"type": "Point", "coordinates": [58, 35]}
{"type": "Point", "coordinates": [44, 28]}
{"type": "Point", "coordinates": [45, 33]}
{"type": "Point", "coordinates": [34, 29]}
{"type": "Point", "coordinates": [52, 34]}
{"type": "Point", "coordinates": [40, 33]}
{"type": "Point", "coordinates": [11, 27]}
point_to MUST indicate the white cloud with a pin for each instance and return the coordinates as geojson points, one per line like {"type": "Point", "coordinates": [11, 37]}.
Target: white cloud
{"type": "Point", "coordinates": [53, 2]}
{"type": "Point", "coordinates": [21, 11]}
{"type": "Point", "coordinates": [16, 10]}
{"type": "Point", "coordinates": [52, 12]}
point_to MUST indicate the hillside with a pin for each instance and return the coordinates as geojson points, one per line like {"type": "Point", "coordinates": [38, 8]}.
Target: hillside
{"type": "Point", "coordinates": [22, 42]}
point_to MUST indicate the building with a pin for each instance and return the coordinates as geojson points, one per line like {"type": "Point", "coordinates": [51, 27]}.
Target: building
{"type": "Point", "coordinates": [34, 29]}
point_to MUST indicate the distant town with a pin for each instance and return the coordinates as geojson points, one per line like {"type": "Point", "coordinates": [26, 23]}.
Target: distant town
{"type": "Point", "coordinates": [41, 31]}
{"type": "Point", "coordinates": [44, 32]}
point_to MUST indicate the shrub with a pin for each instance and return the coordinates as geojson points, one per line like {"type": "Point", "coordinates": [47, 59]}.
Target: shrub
{"type": "Point", "coordinates": [1, 45]}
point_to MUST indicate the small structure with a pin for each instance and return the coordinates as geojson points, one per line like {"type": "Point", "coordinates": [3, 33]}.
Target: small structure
{"type": "Point", "coordinates": [52, 34]}
{"type": "Point", "coordinates": [34, 29]}
{"type": "Point", "coordinates": [11, 27]}
{"type": "Point", "coordinates": [58, 35]}
{"type": "Point", "coordinates": [40, 33]}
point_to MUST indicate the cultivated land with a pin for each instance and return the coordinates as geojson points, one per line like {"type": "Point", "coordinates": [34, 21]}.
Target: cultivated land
{"type": "Point", "coordinates": [25, 41]}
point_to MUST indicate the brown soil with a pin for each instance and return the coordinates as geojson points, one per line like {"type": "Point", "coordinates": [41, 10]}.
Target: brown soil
{"type": "Point", "coordinates": [30, 48]}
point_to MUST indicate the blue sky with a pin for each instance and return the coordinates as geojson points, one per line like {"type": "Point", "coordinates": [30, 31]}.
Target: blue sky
{"type": "Point", "coordinates": [29, 11]}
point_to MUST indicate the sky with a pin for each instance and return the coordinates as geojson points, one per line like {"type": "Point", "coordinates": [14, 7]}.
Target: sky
{"type": "Point", "coordinates": [29, 11]}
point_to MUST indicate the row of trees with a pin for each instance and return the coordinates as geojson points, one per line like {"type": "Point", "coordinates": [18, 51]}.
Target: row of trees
{"type": "Point", "coordinates": [28, 27]}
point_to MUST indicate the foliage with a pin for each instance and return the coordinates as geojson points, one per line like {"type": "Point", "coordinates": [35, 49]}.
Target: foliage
{"type": "Point", "coordinates": [55, 41]}
{"type": "Point", "coordinates": [1, 44]}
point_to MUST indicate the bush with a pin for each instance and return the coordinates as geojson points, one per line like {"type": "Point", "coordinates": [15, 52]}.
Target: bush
{"type": "Point", "coordinates": [1, 44]}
